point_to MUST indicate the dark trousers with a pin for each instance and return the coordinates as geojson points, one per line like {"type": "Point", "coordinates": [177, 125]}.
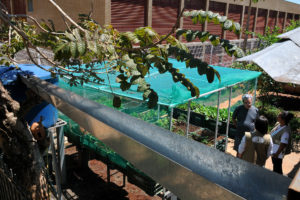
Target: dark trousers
{"type": "Point", "coordinates": [277, 165]}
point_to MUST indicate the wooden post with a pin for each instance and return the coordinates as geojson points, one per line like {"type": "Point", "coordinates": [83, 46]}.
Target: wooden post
{"type": "Point", "coordinates": [181, 6]}
{"type": "Point", "coordinates": [267, 19]}
{"type": "Point", "coordinates": [11, 7]}
{"type": "Point", "coordinates": [293, 16]}
{"type": "Point", "coordinates": [206, 9]}
{"type": "Point", "coordinates": [226, 14]}
{"type": "Point", "coordinates": [255, 19]}
{"type": "Point", "coordinates": [277, 16]}
{"type": "Point", "coordinates": [148, 13]}
{"type": "Point", "coordinates": [242, 20]}
{"type": "Point", "coordinates": [284, 22]}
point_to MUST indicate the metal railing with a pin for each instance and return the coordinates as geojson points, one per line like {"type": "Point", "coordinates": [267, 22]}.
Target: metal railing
{"type": "Point", "coordinates": [187, 168]}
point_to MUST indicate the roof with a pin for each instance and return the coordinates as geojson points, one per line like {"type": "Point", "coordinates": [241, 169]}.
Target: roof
{"type": "Point", "coordinates": [172, 94]}
{"type": "Point", "coordinates": [9, 74]}
{"type": "Point", "coordinates": [280, 60]}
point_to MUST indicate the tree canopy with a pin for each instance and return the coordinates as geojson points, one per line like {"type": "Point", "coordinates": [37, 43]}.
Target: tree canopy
{"type": "Point", "coordinates": [132, 54]}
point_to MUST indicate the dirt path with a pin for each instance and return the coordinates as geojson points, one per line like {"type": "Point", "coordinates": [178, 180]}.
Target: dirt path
{"type": "Point", "coordinates": [290, 163]}
{"type": "Point", "coordinates": [233, 101]}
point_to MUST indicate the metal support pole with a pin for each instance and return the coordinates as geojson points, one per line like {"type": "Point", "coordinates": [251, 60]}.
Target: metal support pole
{"type": "Point", "coordinates": [158, 112]}
{"type": "Point", "coordinates": [217, 122]}
{"type": "Point", "coordinates": [211, 53]}
{"type": "Point", "coordinates": [39, 57]}
{"type": "Point", "coordinates": [188, 119]}
{"type": "Point", "coordinates": [171, 116]}
{"type": "Point", "coordinates": [228, 119]}
{"type": "Point", "coordinates": [56, 167]}
{"type": "Point", "coordinates": [124, 180]}
{"type": "Point", "coordinates": [61, 153]}
{"type": "Point", "coordinates": [255, 88]}
{"type": "Point", "coordinates": [108, 173]}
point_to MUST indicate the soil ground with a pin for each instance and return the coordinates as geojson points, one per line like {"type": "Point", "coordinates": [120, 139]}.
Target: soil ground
{"type": "Point", "coordinates": [91, 183]}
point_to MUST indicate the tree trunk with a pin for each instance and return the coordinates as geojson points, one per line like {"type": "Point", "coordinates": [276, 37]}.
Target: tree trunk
{"type": "Point", "coordinates": [247, 26]}
{"type": "Point", "coordinates": [20, 149]}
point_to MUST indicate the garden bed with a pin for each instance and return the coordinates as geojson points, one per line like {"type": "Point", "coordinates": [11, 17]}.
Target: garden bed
{"type": "Point", "coordinates": [202, 120]}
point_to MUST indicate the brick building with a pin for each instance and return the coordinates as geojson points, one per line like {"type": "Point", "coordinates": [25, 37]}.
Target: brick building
{"type": "Point", "coordinates": [126, 15]}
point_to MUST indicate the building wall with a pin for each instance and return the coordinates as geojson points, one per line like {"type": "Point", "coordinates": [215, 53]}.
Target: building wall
{"type": "Point", "coordinates": [43, 10]}
{"type": "Point", "coordinates": [267, 12]}
{"type": "Point", "coordinates": [126, 15]}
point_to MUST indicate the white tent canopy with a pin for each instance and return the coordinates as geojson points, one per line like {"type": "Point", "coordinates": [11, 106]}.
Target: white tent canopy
{"type": "Point", "coordinates": [280, 60]}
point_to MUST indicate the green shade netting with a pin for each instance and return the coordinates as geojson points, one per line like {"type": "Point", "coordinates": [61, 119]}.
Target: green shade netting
{"type": "Point", "coordinates": [172, 94]}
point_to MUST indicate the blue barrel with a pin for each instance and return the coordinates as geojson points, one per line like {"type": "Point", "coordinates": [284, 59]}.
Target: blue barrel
{"type": "Point", "coordinates": [17, 91]}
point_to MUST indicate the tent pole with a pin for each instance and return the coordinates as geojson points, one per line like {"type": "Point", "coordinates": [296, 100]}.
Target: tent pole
{"type": "Point", "coordinates": [188, 119]}
{"type": "Point", "coordinates": [171, 116]}
{"type": "Point", "coordinates": [228, 118]}
{"type": "Point", "coordinates": [255, 88]}
{"type": "Point", "coordinates": [211, 54]}
{"type": "Point", "coordinates": [217, 122]}
{"type": "Point", "coordinates": [158, 110]}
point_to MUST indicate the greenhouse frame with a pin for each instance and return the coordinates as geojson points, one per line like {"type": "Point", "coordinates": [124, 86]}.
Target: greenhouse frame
{"type": "Point", "coordinates": [173, 94]}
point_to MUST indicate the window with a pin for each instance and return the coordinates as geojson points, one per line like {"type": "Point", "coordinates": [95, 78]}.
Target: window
{"type": "Point", "coordinates": [29, 5]}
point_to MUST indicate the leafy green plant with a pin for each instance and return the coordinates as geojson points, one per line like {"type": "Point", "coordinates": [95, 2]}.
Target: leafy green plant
{"type": "Point", "coordinates": [269, 111]}
{"type": "Point", "coordinates": [295, 127]}
{"type": "Point", "coordinates": [209, 112]}
{"type": "Point", "coordinates": [164, 123]}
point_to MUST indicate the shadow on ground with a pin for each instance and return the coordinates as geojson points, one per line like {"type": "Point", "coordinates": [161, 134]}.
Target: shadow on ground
{"type": "Point", "coordinates": [84, 184]}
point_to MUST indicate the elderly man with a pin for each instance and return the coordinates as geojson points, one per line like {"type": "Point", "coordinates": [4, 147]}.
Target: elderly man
{"type": "Point", "coordinates": [244, 118]}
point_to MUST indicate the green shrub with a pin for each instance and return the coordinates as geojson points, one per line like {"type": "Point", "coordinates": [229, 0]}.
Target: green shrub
{"type": "Point", "coordinates": [269, 111]}
{"type": "Point", "coordinates": [295, 127]}
{"type": "Point", "coordinates": [209, 112]}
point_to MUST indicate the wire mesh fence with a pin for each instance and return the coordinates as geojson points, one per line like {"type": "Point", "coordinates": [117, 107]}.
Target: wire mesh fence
{"type": "Point", "coordinates": [215, 55]}
{"type": "Point", "coordinates": [9, 190]}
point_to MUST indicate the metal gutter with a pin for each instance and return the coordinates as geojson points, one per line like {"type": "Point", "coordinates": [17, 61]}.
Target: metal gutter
{"type": "Point", "coordinates": [187, 168]}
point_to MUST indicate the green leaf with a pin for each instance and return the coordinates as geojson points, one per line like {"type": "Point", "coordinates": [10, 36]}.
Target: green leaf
{"type": "Point", "coordinates": [202, 68]}
{"type": "Point", "coordinates": [195, 20]}
{"type": "Point", "coordinates": [92, 46]}
{"type": "Point", "coordinates": [125, 85]}
{"type": "Point", "coordinates": [218, 75]}
{"type": "Point", "coordinates": [146, 94]}
{"type": "Point", "coordinates": [121, 78]}
{"type": "Point", "coordinates": [142, 87]}
{"type": "Point", "coordinates": [136, 80]}
{"type": "Point", "coordinates": [179, 32]}
{"type": "Point", "coordinates": [214, 40]}
{"type": "Point", "coordinates": [227, 25]}
{"type": "Point", "coordinates": [73, 49]}
{"type": "Point", "coordinates": [210, 74]}
{"type": "Point", "coordinates": [60, 47]}
{"type": "Point", "coordinates": [81, 47]}
{"type": "Point", "coordinates": [76, 34]}
{"type": "Point", "coordinates": [70, 36]}
{"type": "Point", "coordinates": [195, 91]}
{"type": "Point", "coordinates": [142, 69]}
{"type": "Point", "coordinates": [117, 102]}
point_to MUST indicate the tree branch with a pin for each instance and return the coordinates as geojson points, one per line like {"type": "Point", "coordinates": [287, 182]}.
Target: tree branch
{"type": "Point", "coordinates": [36, 22]}
{"type": "Point", "coordinates": [67, 16]}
